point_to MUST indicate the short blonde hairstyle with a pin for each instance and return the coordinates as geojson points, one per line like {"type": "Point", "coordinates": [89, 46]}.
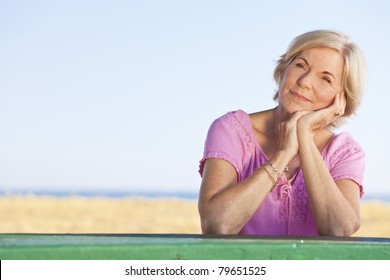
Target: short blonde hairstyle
{"type": "Point", "coordinates": [354, 72]}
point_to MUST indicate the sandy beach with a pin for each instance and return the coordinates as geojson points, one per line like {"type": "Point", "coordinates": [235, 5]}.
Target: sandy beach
{"type": "Point", "coordinates": [41, 214]}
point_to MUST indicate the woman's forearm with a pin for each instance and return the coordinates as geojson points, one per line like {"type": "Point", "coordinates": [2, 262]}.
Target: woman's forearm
{"type": "Point", "coordinates": [226, 210]}
{"type": "Point", "coordinates": [334, 214]}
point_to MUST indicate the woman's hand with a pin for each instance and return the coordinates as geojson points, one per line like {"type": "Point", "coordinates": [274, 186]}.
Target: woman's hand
{"type": "Point", "coordinates": [322, 118]}
{"type": "Point", "coordinates": [286, 134]}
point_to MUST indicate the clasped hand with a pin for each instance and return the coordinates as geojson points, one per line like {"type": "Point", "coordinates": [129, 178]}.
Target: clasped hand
{"type": "Point", "coordinates": [307, 122]}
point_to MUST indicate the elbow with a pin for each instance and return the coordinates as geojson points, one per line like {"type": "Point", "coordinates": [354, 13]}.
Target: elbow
{"type": "Point", "coordinates": [342, 231]}
{"type": "Point", "coordinates": [213, 224]}
{"type": "Point", "coordinates": [354, 227]}
{"type": "Point", "coordinates": [216, 227]}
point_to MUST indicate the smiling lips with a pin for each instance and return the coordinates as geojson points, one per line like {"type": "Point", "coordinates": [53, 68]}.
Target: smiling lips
{"type": "Point", "coordinates": [299, 97]}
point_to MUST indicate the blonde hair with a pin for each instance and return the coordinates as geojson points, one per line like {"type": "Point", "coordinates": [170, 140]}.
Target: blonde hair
{"type": "Point", "coordinates": [354, 72]}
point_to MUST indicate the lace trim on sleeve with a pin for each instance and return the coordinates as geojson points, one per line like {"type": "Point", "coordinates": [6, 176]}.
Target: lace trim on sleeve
{"type": "Point", "coordinates": [347, 147]}
{"type": "Point", "coordinates": [218, 155]}
{"type": "Point", "coordinates": [236, 121]}
{"type": "Point", "coordinates": [234, 118]}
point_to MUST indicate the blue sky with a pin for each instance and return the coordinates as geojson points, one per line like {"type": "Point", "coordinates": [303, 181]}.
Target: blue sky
{"type": "Point", "coordinates": [119, 95]}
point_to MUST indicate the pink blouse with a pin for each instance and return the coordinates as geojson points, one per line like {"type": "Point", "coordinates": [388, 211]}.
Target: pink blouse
{"type": "Point", "coordinates": [286, 210]}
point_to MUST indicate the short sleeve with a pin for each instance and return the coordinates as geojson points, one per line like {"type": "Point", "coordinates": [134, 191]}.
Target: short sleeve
{"type": "Point", "coordinates": [227, 139]}
{"type": "Point", "coordinates": [347, 160]}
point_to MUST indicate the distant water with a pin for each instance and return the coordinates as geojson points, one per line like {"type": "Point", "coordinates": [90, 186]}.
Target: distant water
{"type": "Point", "coordinates": [146, 194]}
{"type": "Point", "coordinates": [102, 193]}
{"type": "Point", "coordinates": [380, 197]}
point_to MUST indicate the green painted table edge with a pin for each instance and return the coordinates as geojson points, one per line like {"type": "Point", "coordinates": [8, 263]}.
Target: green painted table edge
{"type": "Point", "coordinates": [190, 247]}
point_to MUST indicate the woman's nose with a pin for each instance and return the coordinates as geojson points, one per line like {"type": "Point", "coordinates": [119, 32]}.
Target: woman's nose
{"type": "Point", "coordinates": [305, 80]}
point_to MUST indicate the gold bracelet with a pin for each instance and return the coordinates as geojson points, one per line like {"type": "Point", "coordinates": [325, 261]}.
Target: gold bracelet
{"type": "Point", "coordinates": [275, 169]}
{"type": "Point", "coordinates": [269, 175]}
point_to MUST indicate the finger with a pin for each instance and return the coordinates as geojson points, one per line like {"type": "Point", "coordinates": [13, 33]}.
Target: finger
{"type": "Point", "coordinates": [289, 124]}
{"type": "Point", "coordinates": [335, 108]}
{"type": "Point", "coordinates": [337, 100]}
{"type": "Point", "coordinates": [339, 104]}
{"type": "Point", "coordinates": [299, 114]}
{"type": "Point", "coordinates": [343, 103]}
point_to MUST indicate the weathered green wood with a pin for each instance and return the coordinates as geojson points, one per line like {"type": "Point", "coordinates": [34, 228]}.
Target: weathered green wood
{"type": "Point", "coordinates": [193, 247]}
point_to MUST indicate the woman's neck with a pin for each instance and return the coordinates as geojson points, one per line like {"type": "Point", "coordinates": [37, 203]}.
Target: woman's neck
{"type": "Point", "coordinates": [281, 115]}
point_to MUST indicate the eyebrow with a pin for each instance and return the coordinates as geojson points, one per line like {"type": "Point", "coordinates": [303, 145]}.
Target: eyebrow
{"type": "Point", "coordinates": [328, 73]}
{"type": "Point", "coordinates": [323, 72]}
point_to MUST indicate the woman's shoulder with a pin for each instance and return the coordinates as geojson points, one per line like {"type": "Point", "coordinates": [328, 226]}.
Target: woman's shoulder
{"type": "Point", "coordinates": [342, 145]}
{"type": "Point", "coordinates": [234, 127]}
{"type": "Point", "coordinates": [234, 116]}
{"type": "Point", "coordinates": [343, 139]}
{"type": "Point", "coordinates": [237, 120]}
{"type": "Point", "coordinates": [241, 116]}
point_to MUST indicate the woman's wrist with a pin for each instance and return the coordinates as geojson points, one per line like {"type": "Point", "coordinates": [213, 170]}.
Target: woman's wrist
{"type": "Point", "coordinates": [304, 131]}
{"type": "Point", "coordinates": [281, 160]}
{"type": "Point", "coordinates": [273, 173]}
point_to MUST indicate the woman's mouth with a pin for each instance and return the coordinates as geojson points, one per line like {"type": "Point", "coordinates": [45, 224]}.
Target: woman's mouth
{"type": "Point", "coordinates": [299, 97]}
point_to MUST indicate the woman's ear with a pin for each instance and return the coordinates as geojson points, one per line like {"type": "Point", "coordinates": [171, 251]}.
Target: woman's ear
{"type": "Point", "coordinates": [276, 95]}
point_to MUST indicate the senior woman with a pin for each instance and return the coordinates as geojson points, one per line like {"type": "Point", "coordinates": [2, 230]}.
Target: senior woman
{"type": "Point", "coordinates": [283, 171]}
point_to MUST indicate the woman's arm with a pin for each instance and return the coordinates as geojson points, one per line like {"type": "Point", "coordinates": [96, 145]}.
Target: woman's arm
{"type": "Point", "coordinates": [225, 206]}
{"type": "Point", "coordinates": [335, 204]}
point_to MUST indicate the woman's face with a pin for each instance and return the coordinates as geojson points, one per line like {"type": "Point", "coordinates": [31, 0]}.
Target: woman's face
{"type": "Point", "coordinates": [311, 80]}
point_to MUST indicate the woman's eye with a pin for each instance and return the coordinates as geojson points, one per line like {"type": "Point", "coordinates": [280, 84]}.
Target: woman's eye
{"type": "Point", "coordinates": [326, 79]}
{"type": "Point", "coordinates": [300, 65]}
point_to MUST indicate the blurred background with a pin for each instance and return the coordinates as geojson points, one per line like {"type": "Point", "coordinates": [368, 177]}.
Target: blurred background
{"type": "Point", "coordinates": [114, 98]}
